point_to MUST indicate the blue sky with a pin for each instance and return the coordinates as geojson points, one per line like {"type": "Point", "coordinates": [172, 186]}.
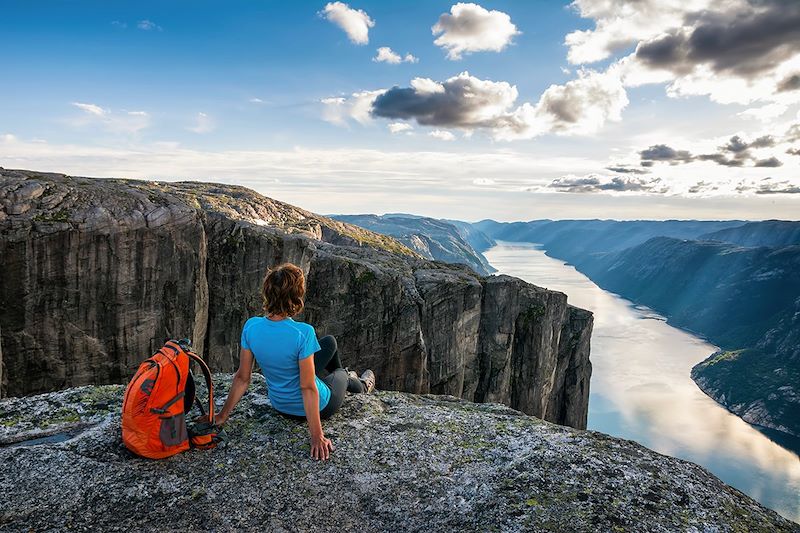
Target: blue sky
{"type": "Point", "coordinates": [266, 94]}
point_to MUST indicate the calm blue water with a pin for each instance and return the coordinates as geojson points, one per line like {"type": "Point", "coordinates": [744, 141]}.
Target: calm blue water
{"type": "Point", "coordinates": [641, 389]}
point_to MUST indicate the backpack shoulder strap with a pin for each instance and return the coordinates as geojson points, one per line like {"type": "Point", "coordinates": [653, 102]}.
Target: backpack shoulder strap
{"type": "Point", "coordinates": [207, 374]}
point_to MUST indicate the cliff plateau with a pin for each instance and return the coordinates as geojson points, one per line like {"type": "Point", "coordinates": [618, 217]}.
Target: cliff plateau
{"type": "Point", "coordinates": [402, 462]}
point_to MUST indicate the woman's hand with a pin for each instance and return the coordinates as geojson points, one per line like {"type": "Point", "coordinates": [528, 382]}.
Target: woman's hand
{"type": "Point", "coordinates": [241, 380]}
{"type": "Point", "coordinates": [321, 448]}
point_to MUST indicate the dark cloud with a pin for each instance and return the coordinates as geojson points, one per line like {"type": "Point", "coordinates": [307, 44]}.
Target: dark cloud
{"type": "Point", "coordinates": [769, 162]}
{"type": "Point", "coordinates": [665, 52]}
{"type": "Point", "coordinates": [777, 187]}
{"type": "Point", "coordinates": [593, 184]}
{"type": "Point", "coordinates": [735, 153]}
{"type": "Point", "coordinates": [662, 152]}
{"type": "Point", "coordinates": [789, 83]}
{"type": "Point", "coordinates": [792, 134]}
{"type": "Point", "coordinates": [627, 170]}
{"type": "Point", "coordinates": [768, 185]}
{"type": "Point", "coordinates": [745, 44]}
{"type": "Point", "coordinates": [702, 186]}
{"type": "Point", "coordinates": [461, 101]}
{"type": "Point", "coordinates": [721, 159]}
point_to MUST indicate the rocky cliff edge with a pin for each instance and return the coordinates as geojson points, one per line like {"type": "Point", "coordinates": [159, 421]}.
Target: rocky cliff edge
{"type": "Point", "coordinates": [402, 462]}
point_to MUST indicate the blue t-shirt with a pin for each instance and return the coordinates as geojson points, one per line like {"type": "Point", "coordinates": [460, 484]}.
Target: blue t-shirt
{"type": "Point", "coordinates": [278, 346]}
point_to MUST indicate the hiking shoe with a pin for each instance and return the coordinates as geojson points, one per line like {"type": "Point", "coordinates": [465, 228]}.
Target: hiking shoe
{"type": "Point", "coordinates": [352, 374]}
{"type": "Point", "coordinates": [368, 379]}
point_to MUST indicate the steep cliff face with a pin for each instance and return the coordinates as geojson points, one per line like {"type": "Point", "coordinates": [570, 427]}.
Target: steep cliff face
{"type": "Point", "coordinates": [97, 273]}
{"type": "Point", "coordinates": [402, 463]}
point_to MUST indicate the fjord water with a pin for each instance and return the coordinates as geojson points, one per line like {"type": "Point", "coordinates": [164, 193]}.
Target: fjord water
{"type": "Point", "coordinates": [641, 388]}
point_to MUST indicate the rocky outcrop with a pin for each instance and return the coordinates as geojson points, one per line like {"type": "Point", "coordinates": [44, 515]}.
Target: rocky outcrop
{"type": "Point", "coordinates": [402, 463]}
{"type": "Point", "coordinates": [761, 383]}
{"type": "Point", "coordinates": [442, 240]}
{"type": "Point", "coordinates": [97, 273]}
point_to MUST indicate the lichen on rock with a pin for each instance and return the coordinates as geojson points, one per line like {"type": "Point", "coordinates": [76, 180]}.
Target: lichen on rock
{"type": "Point", "coordinates": [402, 462]}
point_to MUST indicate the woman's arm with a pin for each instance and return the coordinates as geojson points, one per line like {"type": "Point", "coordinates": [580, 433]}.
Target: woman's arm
{"type": "Point", "coordinates": [241, 380]}
{"type": "Point", "coordinates": [321, 447]}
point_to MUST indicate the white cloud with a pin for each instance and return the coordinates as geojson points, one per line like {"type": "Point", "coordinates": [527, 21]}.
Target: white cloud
{"type": "Point", "coordinates": [431, 180]}
{"type": "Point", "coordinates": [92, 109]}
{"type": "Point", "coordinates": [340, 110]}
{"type": "Point", "coordinates": [399, 127]}
{"type": "Point", "coordinates": [622, 23]}
{"type": "Point", "coordinates": [766, 112]}
{"type": "Point", "coordinates": [256, 101]}
{"type": "Point", "coordinates": [442, 135]}
{"type": "Point", "coordinates": [428, 86]}
{"type": "Point", "coordinates": [128, 122]}
{"type": "Point", "coordinates": [733, 51]}
{"type": "Point", "coordinates": [148, 25]}
{"type": "Point", "coordinates": [202, 124]}
{"type": "Point", "coordinates": [387, 55]}
{"type": "Point", "coordinates": [579, 107]}
{"type": "Point", "coordinates": [471, 28]}
{"type": "Point", "coordinates": [355, 22]}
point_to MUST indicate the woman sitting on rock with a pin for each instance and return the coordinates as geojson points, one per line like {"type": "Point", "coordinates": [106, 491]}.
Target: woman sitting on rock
{"type": "Point", "coordinates": [299, 385]}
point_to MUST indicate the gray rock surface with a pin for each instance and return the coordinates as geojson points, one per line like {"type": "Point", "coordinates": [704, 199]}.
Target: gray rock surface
{"type": "Point", "coordinates": [97, 273]}
{"type": "Point", "coordinates": [402, 462]}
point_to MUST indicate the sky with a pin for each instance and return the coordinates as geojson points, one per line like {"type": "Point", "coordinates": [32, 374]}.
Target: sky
{"type": "Point", "coordinates": [512, 110]}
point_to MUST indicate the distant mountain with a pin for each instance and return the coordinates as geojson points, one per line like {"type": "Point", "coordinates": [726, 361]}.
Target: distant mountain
{"type": "Point", "coordinates": [431, 238]}
{"type": "Point", "coordinates": [765, 233]}
{"type": "Point", "coordinates": [742, 295]}
{"type": "Point", "coordinates": [729, 293]}
{"type": "Point", "coordinates": [573, 239]}
{"type": "Point", "coordinates": [479, 241]}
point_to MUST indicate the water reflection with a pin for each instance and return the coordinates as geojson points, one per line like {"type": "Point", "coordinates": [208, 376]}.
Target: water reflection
{"type": "Point", "coordinates": [641, 389]}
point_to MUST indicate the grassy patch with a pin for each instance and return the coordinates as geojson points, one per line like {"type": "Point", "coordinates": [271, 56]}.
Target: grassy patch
{"type": "Point", "coordinates": [532, 314]}
{"type": "Point", "coordinates": [62, 215]}
{"type": "Point", "coordinates": [365, 277]}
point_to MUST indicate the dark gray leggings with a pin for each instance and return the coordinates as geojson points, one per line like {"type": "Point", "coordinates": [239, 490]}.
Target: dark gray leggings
{"type": "Point", "coordinates": [337, 380]}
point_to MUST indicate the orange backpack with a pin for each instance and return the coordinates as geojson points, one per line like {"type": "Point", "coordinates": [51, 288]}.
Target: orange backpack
{"type": "Point", "coordinates": [157, 400]}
